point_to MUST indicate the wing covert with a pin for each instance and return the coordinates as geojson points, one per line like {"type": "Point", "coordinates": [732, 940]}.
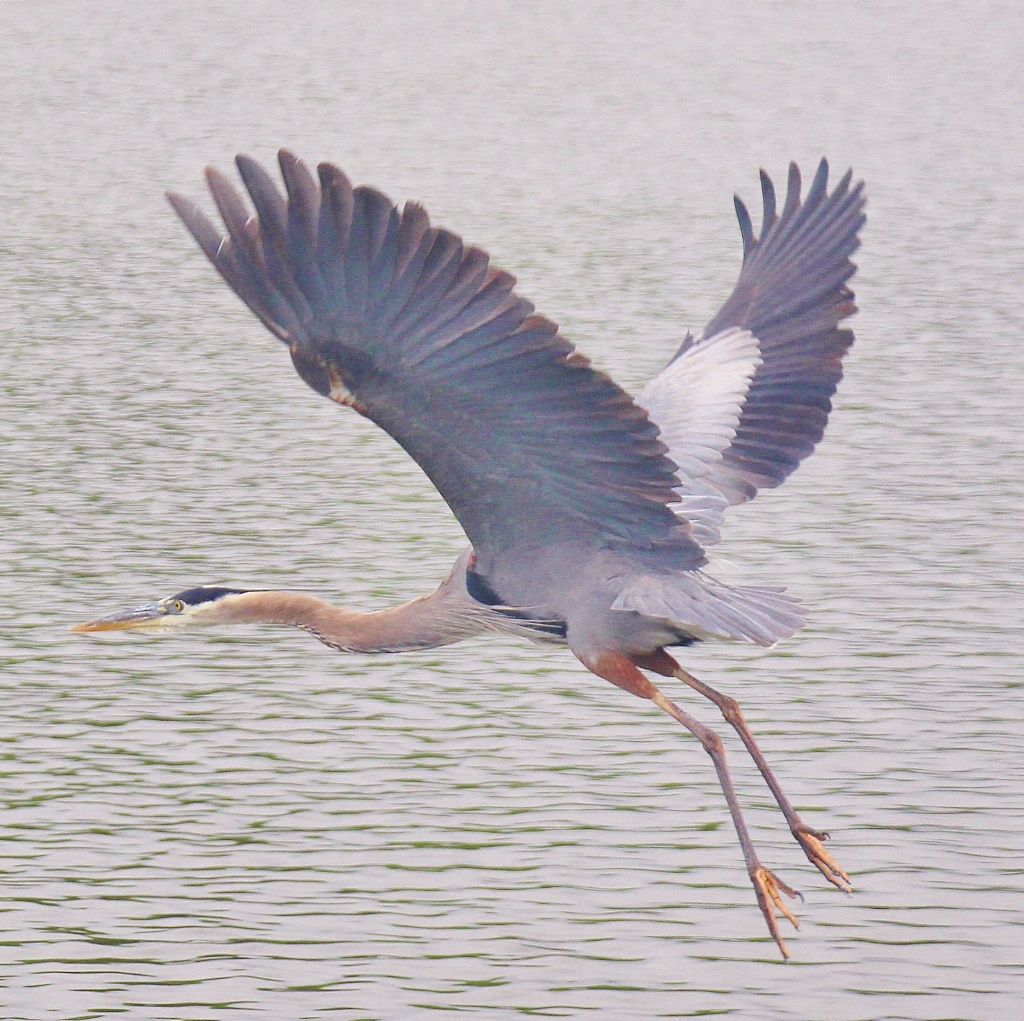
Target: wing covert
{"type": "Point", "coordinates": [380, 310]}
{"type": "Point", "coordinates": [697, 401]}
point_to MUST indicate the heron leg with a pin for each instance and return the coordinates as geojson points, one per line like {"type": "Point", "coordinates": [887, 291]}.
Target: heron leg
{"type": "Point", "coordinates": [768, 888]}
{"type": "Point", "coordinates": [812, 841]}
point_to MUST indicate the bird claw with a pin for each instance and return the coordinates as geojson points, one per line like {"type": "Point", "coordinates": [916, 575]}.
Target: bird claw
{"type": "Point", "coordinates": [769, 889]}
{"type": "Point", "coordinates": [813, 843]}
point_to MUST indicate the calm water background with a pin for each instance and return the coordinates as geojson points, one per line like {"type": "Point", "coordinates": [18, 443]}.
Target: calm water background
{"type": "Point", "coordinates": [249, 825]}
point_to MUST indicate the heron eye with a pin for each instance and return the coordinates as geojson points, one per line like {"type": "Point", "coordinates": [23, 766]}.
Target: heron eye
{"type": "Point", "coordinates": [177, 606]}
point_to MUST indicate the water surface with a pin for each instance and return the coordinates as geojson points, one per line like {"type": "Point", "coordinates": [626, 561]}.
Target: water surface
{"type": "Point", "coordinates": [249, 825]}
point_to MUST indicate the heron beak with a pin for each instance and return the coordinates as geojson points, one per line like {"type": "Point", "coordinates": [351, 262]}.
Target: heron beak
{"type": "Point", "coordinates": [146, 616]}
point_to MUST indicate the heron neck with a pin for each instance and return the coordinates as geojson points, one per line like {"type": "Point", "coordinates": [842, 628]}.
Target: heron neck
{"type": "Point", "coordinates": [427, 622]}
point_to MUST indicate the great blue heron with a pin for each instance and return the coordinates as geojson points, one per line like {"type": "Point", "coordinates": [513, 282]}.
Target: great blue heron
{"type": "Point", "coordinates": [588, 512]}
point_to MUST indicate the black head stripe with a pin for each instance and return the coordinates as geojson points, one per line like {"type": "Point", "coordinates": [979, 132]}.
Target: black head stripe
{"type": "Point", "coordinates": [206, 594]}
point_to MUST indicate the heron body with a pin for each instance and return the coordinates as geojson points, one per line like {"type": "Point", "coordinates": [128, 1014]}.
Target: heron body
{"type": "Point", "coordinates": [589, 513]}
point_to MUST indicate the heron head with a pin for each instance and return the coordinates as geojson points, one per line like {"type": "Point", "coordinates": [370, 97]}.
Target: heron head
{"type": "Point", "coordinates": [194, 606]}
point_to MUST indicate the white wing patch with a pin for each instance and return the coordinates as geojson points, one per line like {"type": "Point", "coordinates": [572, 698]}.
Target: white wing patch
{"type": "Point", "coordinates": [696, 401]}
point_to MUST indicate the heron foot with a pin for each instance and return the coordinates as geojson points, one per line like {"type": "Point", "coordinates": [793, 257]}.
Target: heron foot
{"type": "Point", "coordinates": [813, 843]}
{"type": "Point", "coordinates": [769, 889]}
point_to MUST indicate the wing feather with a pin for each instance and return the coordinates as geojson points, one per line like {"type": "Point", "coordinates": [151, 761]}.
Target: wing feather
{"type": "Point", "coordinates": [528, 444]}
{"type": "Point", "coordinates": [792, 294]}
{"type": "Point", "coordinates": [697, 401]}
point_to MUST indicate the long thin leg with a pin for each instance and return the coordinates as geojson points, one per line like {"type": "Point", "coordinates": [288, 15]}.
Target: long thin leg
{"type": "Point", "coordinates": [811, 840]}
{"type": "Point", "coordinates": [768, 888]}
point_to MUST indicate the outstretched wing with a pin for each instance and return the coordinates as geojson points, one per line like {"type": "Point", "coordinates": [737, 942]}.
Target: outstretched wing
{"type": "Point", "coordinates": [525, 441]}
{"type": "Point", "coordinates": [791, 295]}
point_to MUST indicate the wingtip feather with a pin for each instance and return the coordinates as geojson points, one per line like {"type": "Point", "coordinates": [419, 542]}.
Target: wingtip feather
{"type": "Point", "coordinates": [793, 186]}
{"type": "Point", "coordinates": [746, 225]}
{"type": "Point", "coordinates": [768, 199]}
{"type": "Point", "coordinates": [196, 223]}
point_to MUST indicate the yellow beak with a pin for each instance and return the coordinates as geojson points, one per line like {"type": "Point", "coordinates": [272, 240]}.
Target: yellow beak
{"type": "Point", "coordinates": [147, 615]}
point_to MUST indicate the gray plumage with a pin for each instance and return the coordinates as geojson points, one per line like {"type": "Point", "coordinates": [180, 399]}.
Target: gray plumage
{"type": "Point", "coordinates": [589, 513]}
{"type": "Point", "coordinates": [542, 458]}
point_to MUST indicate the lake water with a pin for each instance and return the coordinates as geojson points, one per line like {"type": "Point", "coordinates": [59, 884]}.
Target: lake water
{"type": "Point", "coordinates": [250, 825]}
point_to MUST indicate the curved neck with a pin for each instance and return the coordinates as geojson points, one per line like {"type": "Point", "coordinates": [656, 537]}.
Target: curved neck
{"type": "Point", "coordinates": [439, 618]}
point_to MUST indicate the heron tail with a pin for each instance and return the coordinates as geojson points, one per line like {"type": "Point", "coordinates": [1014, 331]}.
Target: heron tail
{"type": "Point", "coordinates": [704, 607]}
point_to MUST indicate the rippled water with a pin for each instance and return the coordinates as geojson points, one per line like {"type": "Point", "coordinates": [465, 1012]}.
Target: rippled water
{"type": "Point", "coordinates": [248, 824]}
